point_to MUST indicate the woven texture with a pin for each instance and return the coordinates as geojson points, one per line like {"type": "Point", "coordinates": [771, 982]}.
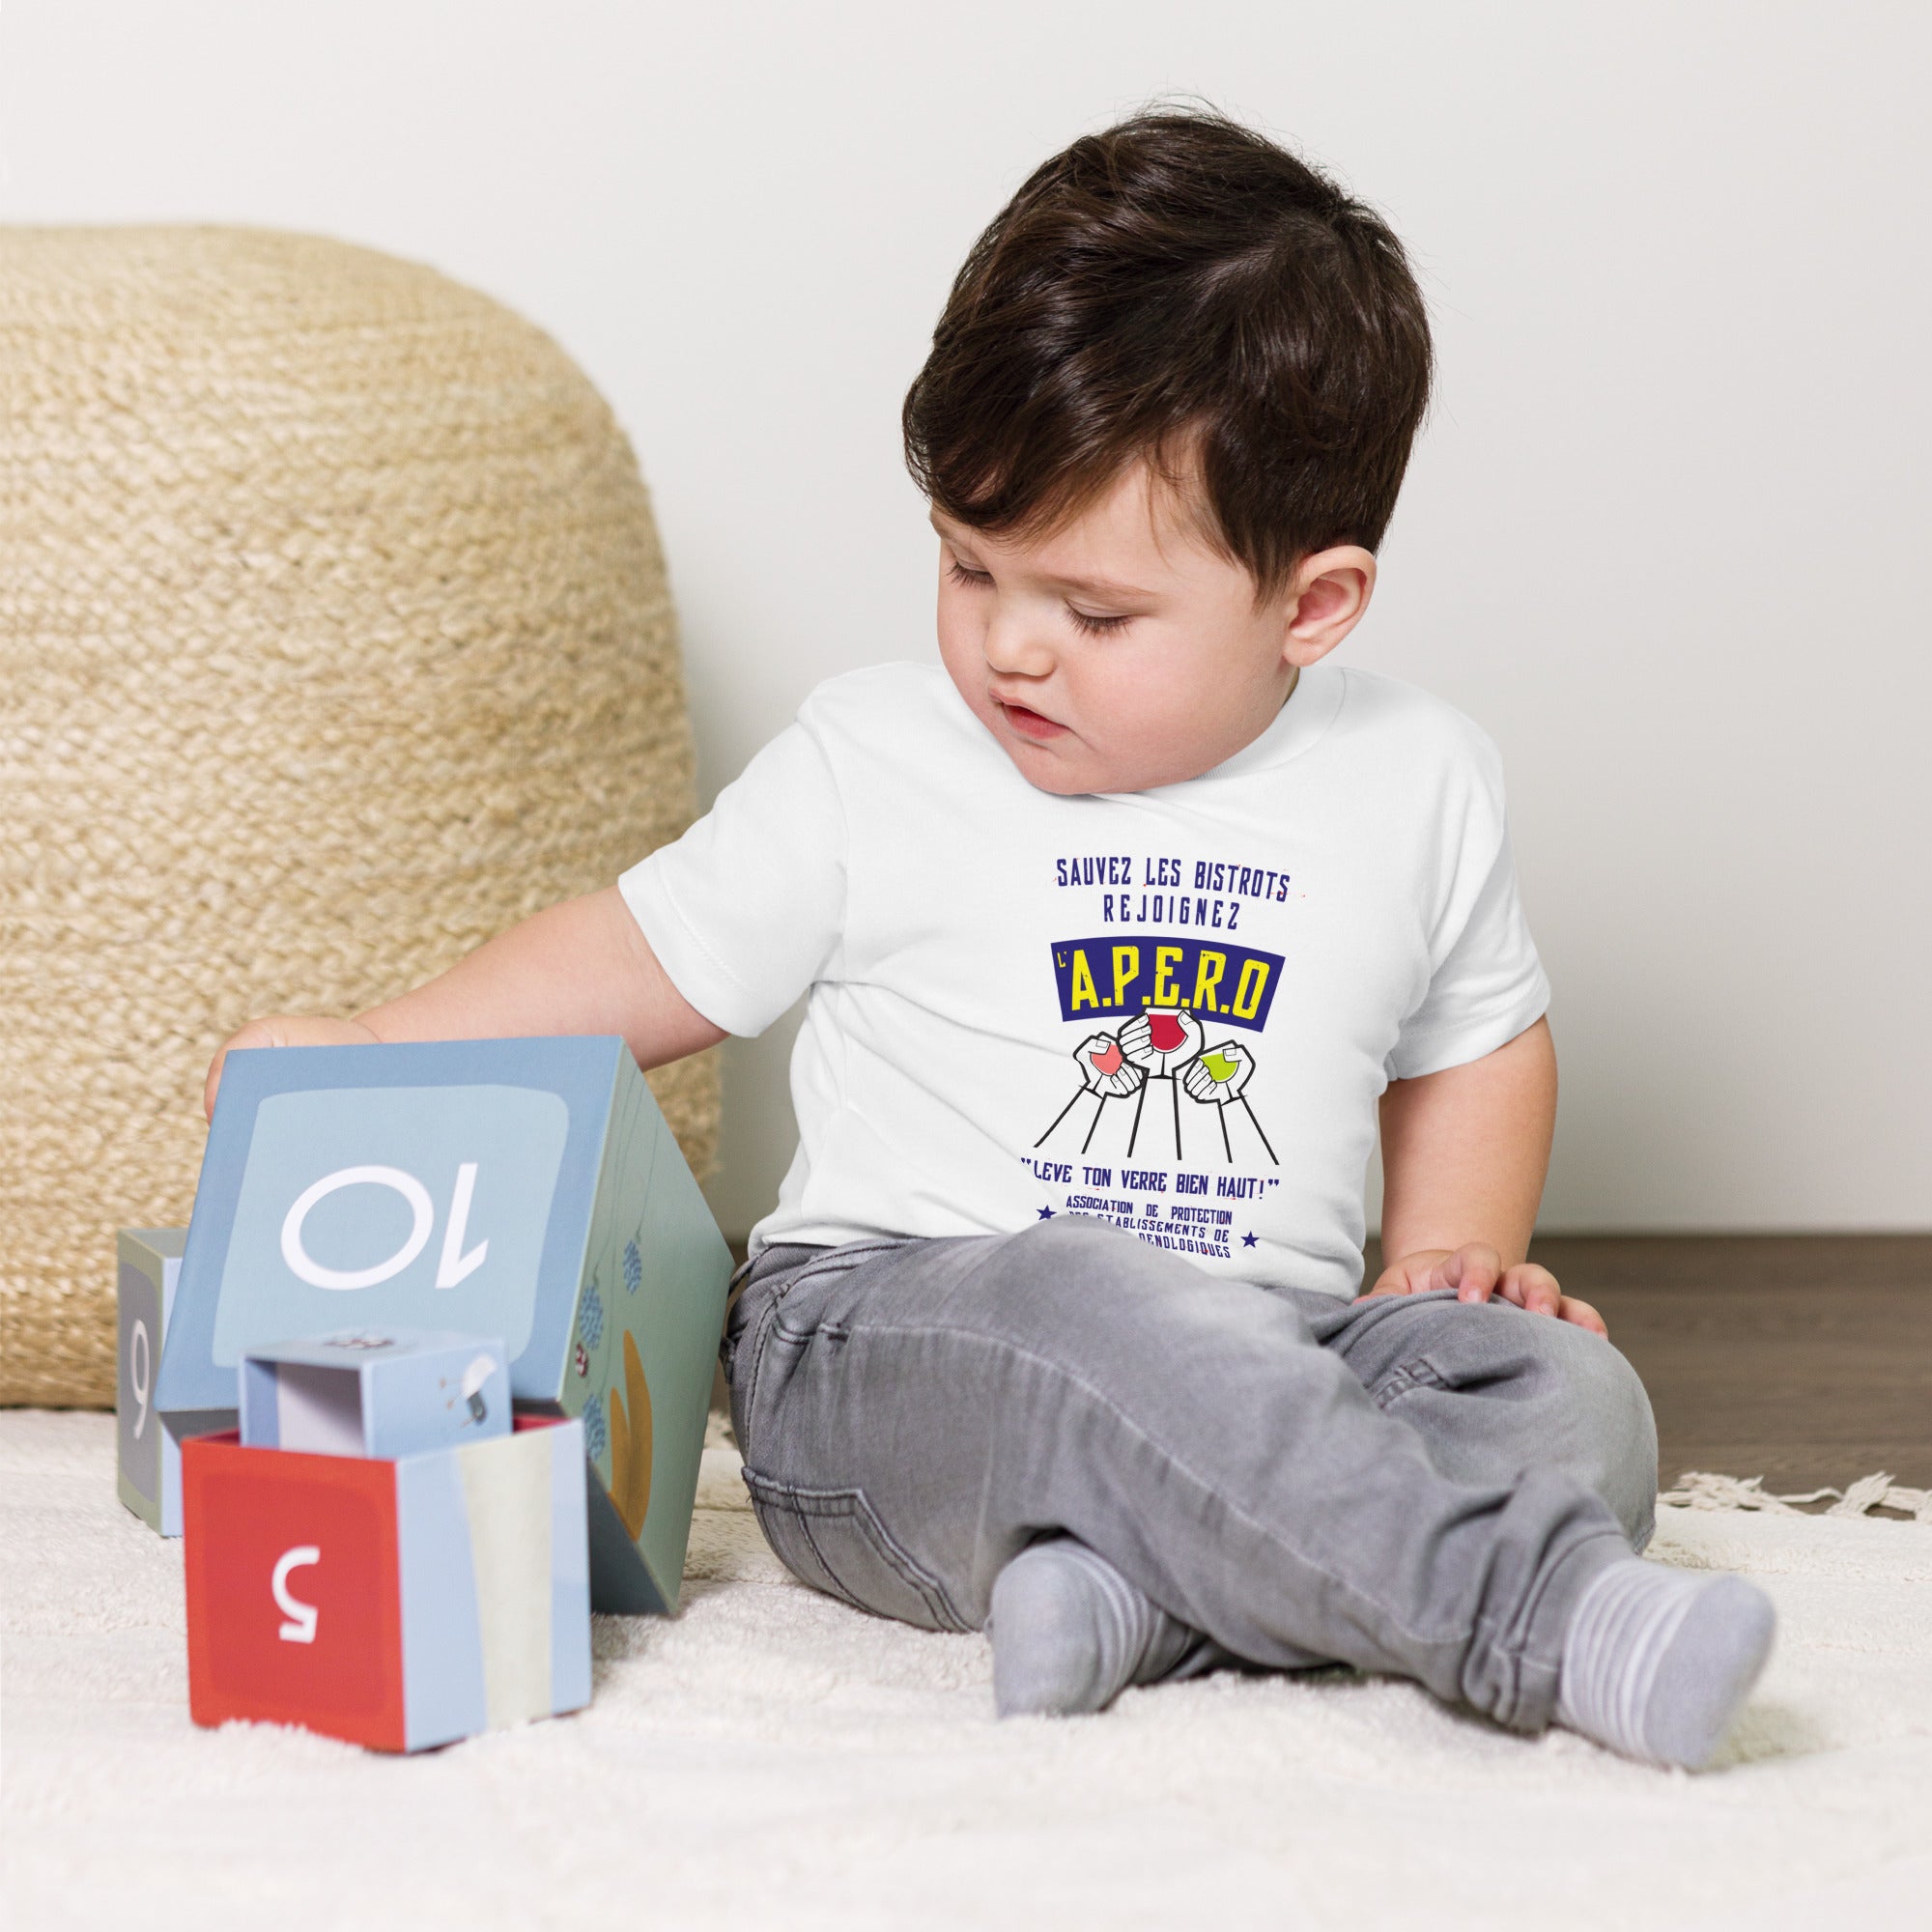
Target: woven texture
{"type": "Point", "coordinates": [335, 638]}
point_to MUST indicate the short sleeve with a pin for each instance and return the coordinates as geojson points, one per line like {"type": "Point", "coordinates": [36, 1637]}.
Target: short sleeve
{"type": "Point", "coordinates": [745, 911]}
{"type": "Point", "coordinates": [1486, 985]}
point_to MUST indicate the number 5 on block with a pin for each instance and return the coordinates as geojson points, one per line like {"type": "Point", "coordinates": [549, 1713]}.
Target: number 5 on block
{"type": "Point", "coordinates": [301, 1616]}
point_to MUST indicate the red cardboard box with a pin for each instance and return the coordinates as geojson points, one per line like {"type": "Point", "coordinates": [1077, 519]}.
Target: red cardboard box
{"type": "Point", "coordinates": [398, 1604]}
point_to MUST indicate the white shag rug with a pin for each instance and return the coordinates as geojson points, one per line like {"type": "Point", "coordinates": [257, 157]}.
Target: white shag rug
{"type": "Point", "coordinates": [771, 1759]}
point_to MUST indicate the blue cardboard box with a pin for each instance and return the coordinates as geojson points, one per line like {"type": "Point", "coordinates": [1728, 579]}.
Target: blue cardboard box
{"type": "Point", "coordinates": [148, 1475]}
{"type": "Point", "coordinates": [369, 1393]}
{"type": "Point", "coordinates": [523, 1188]}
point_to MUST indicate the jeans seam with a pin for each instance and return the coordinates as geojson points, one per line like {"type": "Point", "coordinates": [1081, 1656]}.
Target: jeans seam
{"type": "Point", "coordinates": [1414, 1374]}
{"type": "Point", "coordinates": [768, 1323]}
{"type": "Point", "coordinates": [802, 1503]}
{"type": "Point", "coordinates": [843, 1594]}
{"type": "Point", "coordinates": [784, 1503]}
{"type": "Point", "coordinates": [1516, 1648]}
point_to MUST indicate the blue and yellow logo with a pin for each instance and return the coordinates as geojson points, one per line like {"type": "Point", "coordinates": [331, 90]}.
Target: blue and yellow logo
{"type": "Point", "coordinates": [1102, 976]}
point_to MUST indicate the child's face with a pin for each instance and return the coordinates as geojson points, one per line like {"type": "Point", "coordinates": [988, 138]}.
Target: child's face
{"type": "Point", "coordinates": [1123, 651]}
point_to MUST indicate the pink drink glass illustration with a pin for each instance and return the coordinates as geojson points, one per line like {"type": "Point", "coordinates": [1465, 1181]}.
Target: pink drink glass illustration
{"type": "Point", "coordinates": [1105, 1071]}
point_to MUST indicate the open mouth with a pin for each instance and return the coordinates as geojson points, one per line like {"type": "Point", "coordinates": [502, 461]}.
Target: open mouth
{"type": "Point", "coordinates": [1029, 724]}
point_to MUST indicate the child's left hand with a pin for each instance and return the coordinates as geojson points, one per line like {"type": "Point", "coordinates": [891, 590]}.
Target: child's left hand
{"type": "Point", "coordinates": [1476, 1272]}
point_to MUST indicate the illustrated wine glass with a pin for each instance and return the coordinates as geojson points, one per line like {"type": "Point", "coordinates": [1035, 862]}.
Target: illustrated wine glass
{"type": "Point", "coordinates": [1161, 1040]}
{"type": "Point", "coordinates": [1104, 1070]}
{"type": "Point", "coordinates": [1216, 1079]}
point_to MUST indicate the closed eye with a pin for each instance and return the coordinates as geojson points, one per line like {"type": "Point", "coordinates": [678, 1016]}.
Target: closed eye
{"type": "Point", "coordinates": [1096, 626]}
{"type": "Point", "coordinates": [976, 580]}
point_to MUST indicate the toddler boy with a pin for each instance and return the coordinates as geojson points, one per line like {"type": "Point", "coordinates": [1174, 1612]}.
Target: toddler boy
{"type": "Point", "coordinates": [1118, 932]}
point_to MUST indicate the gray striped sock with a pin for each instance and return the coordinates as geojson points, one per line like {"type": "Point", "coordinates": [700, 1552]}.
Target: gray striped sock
{"type": "Point", "coordinates": [1657, 1662]}
{"type": "Point", "coordinates": [1070, 1633]}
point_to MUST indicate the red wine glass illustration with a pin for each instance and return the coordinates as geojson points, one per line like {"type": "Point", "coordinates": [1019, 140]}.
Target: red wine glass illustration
{"type": "Point", "coordinates": [1163, 1040]}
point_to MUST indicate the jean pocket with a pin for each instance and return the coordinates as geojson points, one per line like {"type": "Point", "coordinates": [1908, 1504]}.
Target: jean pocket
{"type": "Point", "coordinates": [833, 1539]}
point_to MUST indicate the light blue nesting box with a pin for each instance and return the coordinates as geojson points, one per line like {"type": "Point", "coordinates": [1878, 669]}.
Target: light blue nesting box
{"type": "Point", "coordinates": [369, 1393]}
{"type": "Point", "coordinates": [521, 1189]}
{"type": "Point", "coordinates": [148, 1470]}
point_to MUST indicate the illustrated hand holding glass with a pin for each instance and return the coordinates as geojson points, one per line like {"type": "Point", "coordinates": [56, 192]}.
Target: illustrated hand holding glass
{"type": "Point", "coordinates": [1216, 1078]}
{"type": "Point", "coordinates": [1104, 1070]}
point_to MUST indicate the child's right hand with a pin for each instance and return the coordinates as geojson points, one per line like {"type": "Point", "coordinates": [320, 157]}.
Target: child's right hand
{"type": "Point", "coordinates": [285, 1030]}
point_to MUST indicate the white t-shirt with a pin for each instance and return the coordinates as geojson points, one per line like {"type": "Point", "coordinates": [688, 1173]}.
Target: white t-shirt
{"type": "Point", "coordinates": [1172, 1009]}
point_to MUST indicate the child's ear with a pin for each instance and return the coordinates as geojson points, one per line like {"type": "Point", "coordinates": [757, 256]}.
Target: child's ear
{"type": "Point", "coordinates": [1324, 601]}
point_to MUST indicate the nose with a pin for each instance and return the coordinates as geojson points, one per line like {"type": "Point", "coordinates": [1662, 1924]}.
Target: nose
{"type": "Point", "coordinates": [1014, 649]}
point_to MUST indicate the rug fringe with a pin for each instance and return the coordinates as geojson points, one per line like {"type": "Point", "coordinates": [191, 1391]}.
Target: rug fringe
{"type": "Point", "coordinates": [1699, 1489]}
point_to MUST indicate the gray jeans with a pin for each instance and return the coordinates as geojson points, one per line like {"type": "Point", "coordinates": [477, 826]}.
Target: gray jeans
{"type": "Point", "coordinates": [1409, 1484]}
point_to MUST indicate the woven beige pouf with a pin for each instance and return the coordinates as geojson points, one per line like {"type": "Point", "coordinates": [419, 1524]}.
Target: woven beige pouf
{"type": "Point", "coordinates": [335, 638]}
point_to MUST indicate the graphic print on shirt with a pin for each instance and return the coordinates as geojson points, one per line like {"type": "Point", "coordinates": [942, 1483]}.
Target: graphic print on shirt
{"type": "Point", "coordinates": [1162, 1072]}
{"type": "Point", "coordinates": [1162, 1047]}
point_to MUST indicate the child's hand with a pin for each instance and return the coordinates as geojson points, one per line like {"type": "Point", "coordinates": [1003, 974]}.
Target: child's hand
{"type": "Point", "coordinates": [1475, 1272]}
{"type": "Point", "coordinates": [285, 1030]}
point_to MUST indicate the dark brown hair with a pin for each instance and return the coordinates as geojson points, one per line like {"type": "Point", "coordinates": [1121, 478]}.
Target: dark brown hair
{"type": "Point", "coordinates": [1181, 291]}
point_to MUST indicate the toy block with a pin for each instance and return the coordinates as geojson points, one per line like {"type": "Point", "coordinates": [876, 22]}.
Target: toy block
{"type": "Point", "coordinates": [377, 1395]}
{"type": "Point", "coordinates": [399, 1604]}
{"type": "Point", "coordinates": [149, 1470]}
{"type": "Point", "coordinates": [523, 1188]}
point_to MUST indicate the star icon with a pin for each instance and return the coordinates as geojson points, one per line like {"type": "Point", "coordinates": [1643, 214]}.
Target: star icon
{"type": "Point", "coordinates": [1046, 1213]}
{"type": "Point", "coordinates": [1247, 1240]}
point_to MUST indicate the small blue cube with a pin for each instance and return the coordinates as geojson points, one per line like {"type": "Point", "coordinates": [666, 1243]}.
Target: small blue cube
{"type": "Point", "coordinates": [383, 1394]}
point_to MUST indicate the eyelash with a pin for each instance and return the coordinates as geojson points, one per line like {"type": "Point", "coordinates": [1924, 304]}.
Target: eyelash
{"type": "Point", "coordinates": [1095, 627]}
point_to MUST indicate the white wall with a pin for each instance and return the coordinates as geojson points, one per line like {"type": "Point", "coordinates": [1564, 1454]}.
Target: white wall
{"type": "Point", "coordinates": [1664, 537]}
